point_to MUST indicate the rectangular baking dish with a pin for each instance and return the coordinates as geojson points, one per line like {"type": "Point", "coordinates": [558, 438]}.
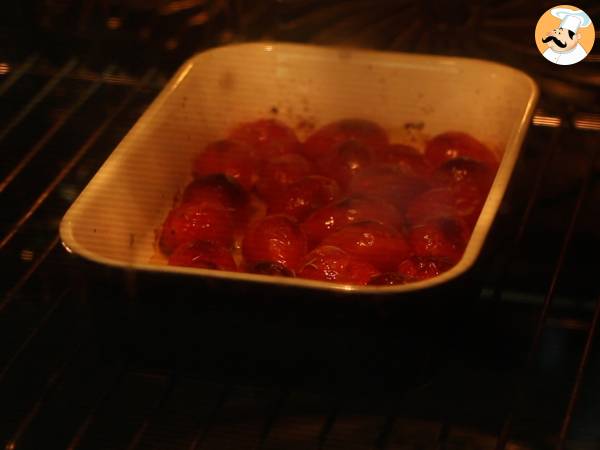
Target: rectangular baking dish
{"type": "Point", "coordinates": [114, 220]}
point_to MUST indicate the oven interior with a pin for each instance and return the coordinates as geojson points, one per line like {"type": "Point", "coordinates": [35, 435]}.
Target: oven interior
{"type": "Point", "coordinates": [513, 365]}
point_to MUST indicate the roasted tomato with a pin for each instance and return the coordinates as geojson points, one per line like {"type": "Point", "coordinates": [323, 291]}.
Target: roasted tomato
{"type": "Point", "coordinates": [454, 144]}
{"type": "Point", "coordinates": [328, 263]}
{"type": "Point", "coordinates": [461, 171]}
{"type": "Point", "coordinates": [388, 279]}
{"type": "Point", "coordinates": [204, 255]}
{"type": "Point", "coordinates": [271, 268]}
{"type": "Point", "coordinates": [304, 196]}
{"type": "Point", "coordinates": [268, 138]}
{"type": "Point", "coordinates": [231, 158]}
{"type": "Point", "coordinates": [277, 174]}
{"type": "Point", "coordinates": [217, 190]}
{"type": "Point", "coordinates": [276, 239]}
{"type": "Point", "coordinates": [389, 183]}
{"type": "Point", "coordinates": [337, 215]}
{"type": "Point", "coordinates": [348, 158]}
{"type": "Point", "coordinates": [196, 222]}
{"type": "Point", "coordinates": [406, 159]}
{"type": "Point", "coordinates": [418, 268]}
{"type": "Point", "coordinates": [323, 142]}
{"type": "Point", "coordinates": [378, 244]}
{"type": "Point", "coordinates": [442, 238]}
{"type": "Point", "coordinates": [461, 203]}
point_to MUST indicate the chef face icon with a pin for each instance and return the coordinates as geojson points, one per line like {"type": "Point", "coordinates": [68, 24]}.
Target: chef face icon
{"type": "Point", "coordinates": [562, 35]}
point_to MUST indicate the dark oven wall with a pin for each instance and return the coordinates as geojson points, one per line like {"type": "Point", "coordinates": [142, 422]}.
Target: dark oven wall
{"type": "Point", "coordinates": [92, 358]}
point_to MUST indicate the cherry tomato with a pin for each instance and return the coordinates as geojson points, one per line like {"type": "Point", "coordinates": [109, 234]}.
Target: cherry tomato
{"type": "Point", "coordinates": [278, 173]}
{"type": "Point", "coordinates": [465, 172]}
{"type": "Point", "coordinates": [305, 196]}
{"type": "Point", "coordinates": [268, 138]}
{"type": "Point", "coordinates": [388, 279]}
{"type": "Point", "coordinates": [217, 190]}
{"type": "Point", "coordinates": [334, 216]}
{"type": "Point", "coordinates": [347, 158]}
{"type": "Point", "coordinates": [454, 144]}
{"type": "Point", "coordinates": [193, 222]}
{"type": "Point", "coordinates": [271, 268]}
{"type": "Point", "coordinates": [389, 183]}
{"type": "Point", "coordinates": [418, 268]}
{"type": "Point", "coordinates": [378, 244]}
{"type": "Point", "coordinates": [277, 239]}
{"type": "Point", "coordinates": [442, 238]}
{"type": "Point", "coordinates": [328, 263]}
{"type": "Point", "coordinates": [233, 159]}
{"type": "Point", "coordinates": [323, 142]}
{"type": "Point", "coordinates": [204, 255]}
{"type": "Point", "coordinates": [461, 203]}
{"type": "Point", "coordinates": [406, 159]}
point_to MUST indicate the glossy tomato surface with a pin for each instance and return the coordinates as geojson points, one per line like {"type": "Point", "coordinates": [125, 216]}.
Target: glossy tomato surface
{"type": "Point", "coordinates": [329, 263]}
{"type": "Point", "coordinates": [454, 144]}
{"type": "Point", "coordinates": [268, 138]}
{"type": "Point", "coordinates": [196, 222]}
{"type": "Point", "coordinates": [277, 239]}
{"type": "Point", "coordinates": [230, 158]}
{"type": "Point", "coordinates": [278, 173]}
{"type": "Point", "coordinates": [304, 196]}
{"type": "Point", "coordinates": [377, 244]}
{"type": "Point", "coordinates": [217, 190]}
{"type": "Point", "coordinates": [417, 268]}
{"type": "Point", "coordinates": [442, 238]}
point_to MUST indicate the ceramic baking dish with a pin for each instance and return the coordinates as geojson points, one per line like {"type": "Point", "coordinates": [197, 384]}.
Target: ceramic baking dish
{"type": "Point", "coordinates": [115, 218]}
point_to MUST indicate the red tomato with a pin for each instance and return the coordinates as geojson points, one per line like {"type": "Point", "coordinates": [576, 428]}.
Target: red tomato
{"type": "Point", "coordinates": [204, 255]}
{"type": "Point", "coordinates": [233, 159]}
{"type": "Point", "coordinates": [334, 216]}
{"type": "Point", "coordinates": [217, 190]}
{"type": "Point", "coordinates": [372, 242]}
{"type": "Point", "coordinates": [304, 196]}
{"type": "Point", "coordinates": [454, 144]}
{"type": "Point", "coordinates": [418, 268]}
{"type": "Point", "coordinates": [388, 279]}
{"type": "Point", "coordinates": [271, 268]}
{"type": "Point", "coordinates": [278, 173]}
{"type": "Point", "coordinates": [442, 238]}
{"type": "Point", "coordinates": [323, 142]}
{"type": "Point", "coordinates": [193, 222]}
{"type": "Point", "coordinates": [328, 263]}
{"type": "Point", "coordinates": [407, 159]}
{"type": "Point", "coordinates": [462, 203]}
{"type": "Point", "coordinates": [267, 137]}
{"type": "Point", "coordinates": [465, 171]}
{"type": "Point", "coordinates": [275, 238]}
{"type": "Point", "coordinates": [348, 158]}
{"type": "Point", "coordinates": [389, 183]}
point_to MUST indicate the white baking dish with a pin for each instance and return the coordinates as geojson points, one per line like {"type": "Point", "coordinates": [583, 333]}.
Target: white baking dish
{"type": "Point", "coordinates": [115, 218]}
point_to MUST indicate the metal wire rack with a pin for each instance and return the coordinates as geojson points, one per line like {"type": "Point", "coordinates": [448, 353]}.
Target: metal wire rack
{"type": "Point", "coordinates": [522, 372]}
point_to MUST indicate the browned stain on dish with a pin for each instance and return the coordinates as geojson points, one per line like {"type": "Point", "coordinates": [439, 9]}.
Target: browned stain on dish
{"type": "Point", "coordinates": [227, 81]}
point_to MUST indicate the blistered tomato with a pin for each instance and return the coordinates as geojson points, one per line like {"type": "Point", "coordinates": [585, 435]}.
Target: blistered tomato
{"type": "Point", "coordinates": [268, 138]}
{"type": "Point", "coordinates": [278, 173]}
{"type": "Point", "coordinates": [442, 238]}
{"type": "Point", "coordinates": [388, 279]}
{"type": "Point", "coordinates": [329, 263]}
{"type": "Point", "coordinates": [406, 159]}
{"type": "Point", "coordinates": [461, 203]}
{"type": "Point", "coordinates": [347, 159]}
{"type": "Point", "coordinates": [271, 268]}
{"type": "Point", "coordinates": [388, 182]}
{"type": "Point", "coordinates": [337, 215]}
{"type": "Point", "coordinates": [216, 190]}
{"type": "Point", "coordinates": [323, 142]}
{"type": "Point", "coordinates": [375, 243]}
{"type": "Point", "coordinates": [233, 159]}
{"type": "Point", "coordinates": [276, 238]}
{"type": "Point", "coordinates": [196, 222]}
{"type": "Point", "coordinates": [454, 144]}
{"type": "Point", "coordinates": [304, 196]}
{"type": "Point", "coordinates": [461, 171]}
{"type": "Point", "coordinates": [418, 268]}
{"type": "Point", "coordinates": [204, 255]}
